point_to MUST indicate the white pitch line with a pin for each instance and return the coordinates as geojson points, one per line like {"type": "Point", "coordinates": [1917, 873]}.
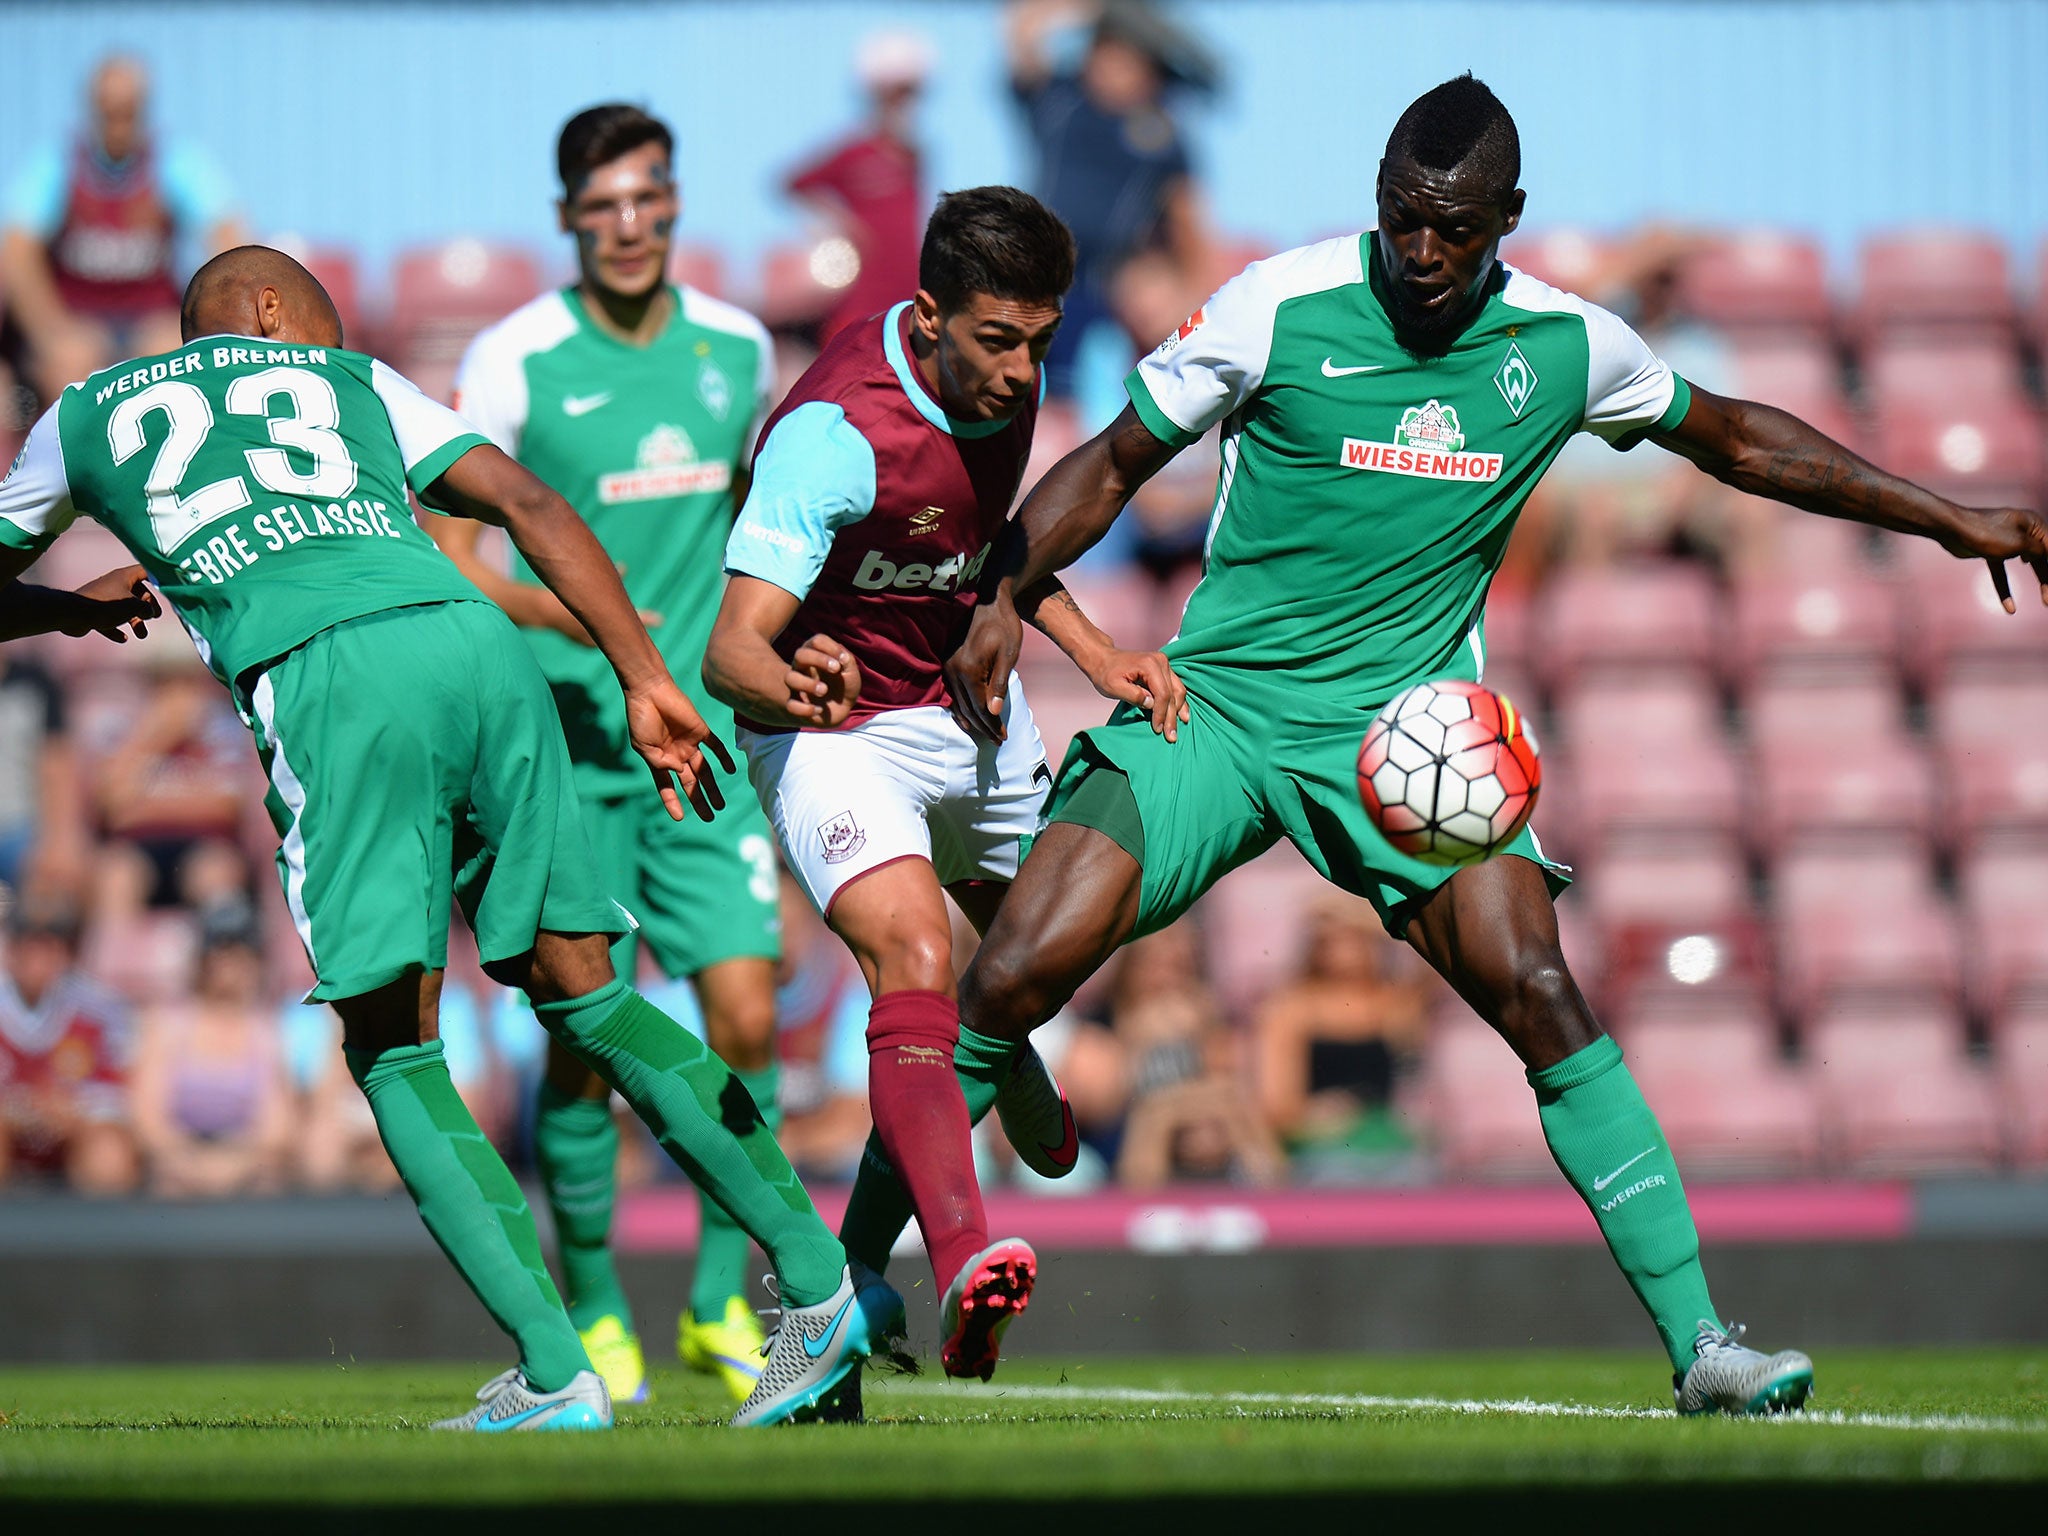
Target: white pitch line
{"type": "Point", "coordinates": [1515, 1407]}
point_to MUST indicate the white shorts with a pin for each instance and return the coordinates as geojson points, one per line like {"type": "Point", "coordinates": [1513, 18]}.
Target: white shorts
{"type": "Point", "coordinates": [908, 784]}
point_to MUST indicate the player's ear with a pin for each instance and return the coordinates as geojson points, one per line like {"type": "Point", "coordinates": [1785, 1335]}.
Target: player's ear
{"type": "Point", "coordinates": [925, 316]}
{"type": "Point", "coordinates": [562, 216]}
{"type": "Point", "coordinates": [269, 310]}
{"type": "Point", "coordinates": [1511, 211]}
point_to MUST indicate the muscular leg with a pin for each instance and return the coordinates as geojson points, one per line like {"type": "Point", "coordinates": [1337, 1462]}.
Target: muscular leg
{"type": "Point", "coordinates": [738, 999]}
{"type": "Point", "coordinates": [894, 920]}
{"type": "Point", "coordinates": [465, 1194]}
{"type": "Point", "coordinates": [1492, 933]}
{"type": "Point", "coordinates": [702, 1116]}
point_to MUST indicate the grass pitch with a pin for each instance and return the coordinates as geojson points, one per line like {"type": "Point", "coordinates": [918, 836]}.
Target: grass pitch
{"type": "Point", "coordinates": [1183, 1437]}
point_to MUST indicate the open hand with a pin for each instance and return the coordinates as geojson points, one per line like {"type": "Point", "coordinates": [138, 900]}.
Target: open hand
{"type": "Point", "coordinates": [113, 605]}
{"type": "Point", "coordinates": [672, 738]}
{"type": "Point", "coordinates": [1146, 679]}
{"type": "Point", "coordinates": [1998, 534]}
{"type": "Point", "coordinates": [824, 683]}
{"type": "Point", "coordinates": [978, 674]}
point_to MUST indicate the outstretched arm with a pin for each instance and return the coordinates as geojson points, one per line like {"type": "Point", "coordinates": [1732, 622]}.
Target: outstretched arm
{"type": "Point", "coordinates": [528, 606]}
{"type": "Point", "coordinates": [112, 604]}
{"type": "Point", "coordinates": [1143, 678]}
{"type": "Point", "coordinates": [1768, 452]}
{"type": "Point", "coordinates": [668, 733]}
{"type": "Point", "coordinates": [1062, 518]}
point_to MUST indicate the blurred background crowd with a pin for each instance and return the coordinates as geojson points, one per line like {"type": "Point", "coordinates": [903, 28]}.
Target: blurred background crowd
{"type": "Point", "coordinates": [1801, 769]}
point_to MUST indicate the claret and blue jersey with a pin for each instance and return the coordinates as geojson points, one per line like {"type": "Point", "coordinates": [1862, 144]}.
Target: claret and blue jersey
{"type": "Point", "coordinates": [878, 510]}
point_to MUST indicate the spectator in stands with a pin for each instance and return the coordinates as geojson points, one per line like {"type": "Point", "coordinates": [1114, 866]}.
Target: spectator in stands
{"type": "Point", "coordinates": [172, 794]}
{"type": "Point", "coordinates": [65, 1045]}
{"type": "Point", "coordinates": [1330, 1044]}
{"type": "Point", "coordinates": [1111, 159]}
{"type": "Point", "coordinates": [43, 837]}
{"type": "Point", "coordinates": [213, 1102]}
{"type": "Point", "coordinates": [89, 250]}
{"type": "Point", "coordinates": [1189, 1116]}
{"type": "Point", "coordinates": [871, 186]}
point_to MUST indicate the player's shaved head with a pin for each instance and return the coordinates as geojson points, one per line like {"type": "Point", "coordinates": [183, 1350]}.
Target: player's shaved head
{"type": "Point", "coordinates": [1461, 127]}
{"type": "Point", "coordinates": [253, 290]}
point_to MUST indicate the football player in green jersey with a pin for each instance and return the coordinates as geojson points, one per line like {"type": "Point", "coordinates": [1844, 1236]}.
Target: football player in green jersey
{"type": "Point", "coordinates": [260, 474]}
{"type": "Point", "coordinates": [639, 401]}
{"type": "Point", "coordinates": [1387, 401]}
{"type": "Point", "coordinates": [112, 605]}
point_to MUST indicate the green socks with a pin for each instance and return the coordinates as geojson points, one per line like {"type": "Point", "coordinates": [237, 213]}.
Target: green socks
{"type": "Point", "coordinates": [469, 1202]}
{"type": "Point", "coordinates": [721, 1245]}
{"type": "Point", "coordinates": [879, 1208]}
{"type": "Point", "coordinates": [1611, 1149]}
{"type": "Point", "coordinates": [706, 1120]}
{"type": "Point", "coordinates": [576, 1148]}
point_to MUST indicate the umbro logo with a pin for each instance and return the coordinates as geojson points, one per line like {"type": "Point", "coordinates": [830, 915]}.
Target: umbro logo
{"type": "Point", "coordinates": [926, 521]}
{"type": "Point", "coordinates": [583, 405]}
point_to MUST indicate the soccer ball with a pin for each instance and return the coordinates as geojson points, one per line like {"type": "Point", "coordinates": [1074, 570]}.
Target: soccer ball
{"type": "Point", "coordinates": [1449, 772]}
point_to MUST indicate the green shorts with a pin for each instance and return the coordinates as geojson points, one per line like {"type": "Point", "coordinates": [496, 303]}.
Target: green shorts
{"type": "Point", "coordinates": [701, 891]}
{"type": "Point", "coordinates": [1238, 780]}
{"type": "Point", "coordinates": [415, 755]}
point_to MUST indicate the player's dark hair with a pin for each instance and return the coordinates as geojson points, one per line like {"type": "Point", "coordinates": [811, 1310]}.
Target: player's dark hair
{"type": "Point", "coordinates": [998, 241]}
{"type": "Point", "coordinates": [599, 135]}
{"type": "Point", "coordinates": [1461, 126]}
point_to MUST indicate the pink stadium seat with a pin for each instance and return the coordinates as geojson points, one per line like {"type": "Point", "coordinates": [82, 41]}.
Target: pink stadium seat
{"type": "Point", "coordinates": [2005, 918]}
{"type": "Point", "coordinates": [1647, 786]}
{"type": "Point", "coordinates": [1729, 1106]}
{"type": "Point", "coordinates": [1572, 259]}
{"type": "Point", "coordinates": [1789, 369]}
{"type": "Point", "coordinates": [1620, 711]}
{"type": "Point", "coordinates": [1982, 452]}
{"type": "Point", "coordinates": [1854, 708]}
{"type": "Point", "coordinates": [1669, 881]}
{"type": "Point", "coordinates": [1663, 615]}
{"type": "Point", "coordinates": [1978, 369]}
{"type": "Point", "coordinates": [1934, 279]}
{"type": "Point", "coordinates": [1820, 619]}
{"type": "Point", "coordinates": [1952, 622]}
{"type": "Point", "coordinates": [1758, 278]}
{"type": "Point", "coordinates": [1477, 1104]}
{"type": "Point", "coordinates": [1894, 950]}
{"type": "Point", "coordinates": [1841, 786]}
{"type": "Point", "coordinates": [1973, 712]}
{"type": "Point", "coordinates": [442, 295]}
{"type": "Point", "coordinates": [1253, 918]}
{"type": "Point", "coordinates": [1994, 790]}
{"type": "Point", "coordinates": [1674, 923]}
{"type": "Point", "coordinates": [2021, 1052]}
{"type": "Point", "coordinates": [698, 266]}
{"type": "Point", "coordinates": [1824, 877]}
{"type": "Point", "coordinates": [1899, 1094]}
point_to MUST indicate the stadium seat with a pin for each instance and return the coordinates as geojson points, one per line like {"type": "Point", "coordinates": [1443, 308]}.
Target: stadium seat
{"type": "Point", "coordinates": [1818, 621]}
{"type": "Point", "coordinates": [1668, 880]}
{"type": "Point", "coordinates": [1952, 623]}
{"type": "Point", "coordinates": [1894, 950]}
{"type": "Point", "coordinates": [1729, 1106]}
{"type": "Point", "coordinates": [2020, 1054]}
{"type": "Point", "coordinates": [442, 295]}
{"type": "Point", "coordinates": [698, 266]}
{"type": "Point", "coordinates": [1840, 787]}
{"type": "Point", "coordinates": [1991, 737]}
{"type": "Point", "coordinates": [1979, 452]}
{"type": "Point", "coordinates": [1899, 1094]}
{"type": "Point", "coordinates": [1822, 876]}
{"type": "Point", "coordinates": [1933, 280]}
{"type": "Point", "coordinates": [1852, 707]}
{"type": "Point", "coordinates": [1982, 370]}
{"type": "Point", "coordinates": [1758, 279]}
{"type": "Point", "coordinates": [1628, 617]}
{"type": "Point", "coordinates": [1476, 1104]}
{"type": "Point", "coordinates": [2005, 919]}
{"type": "Point", "coordinates": [1253, 919]}
{"type": "Point", "coordinates": [1572, 259]}
{"type": "Point", "coordinates": [1644, 754]}
{"type": "Point", "coordinates": [1792, 370]}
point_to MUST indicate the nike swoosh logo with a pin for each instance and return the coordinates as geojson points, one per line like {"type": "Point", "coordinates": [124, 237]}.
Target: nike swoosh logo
{"type": "Point", "coordinates": [491, 1425]}
{"type": "Point", "coordinates": [1070, 1141]}
{"type": "Point", "coordinates": [1600, 1184]}
{"type": "Point", "coordinates": [825, 1338]}
{"type": "Point", "coordinates": [1332, 371]}
{"type": "Point", "coordinates": [583, 405]}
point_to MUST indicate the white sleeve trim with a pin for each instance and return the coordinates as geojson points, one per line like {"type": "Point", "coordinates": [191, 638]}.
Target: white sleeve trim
{"type": "Point", "coordinates": [35, 498]}
{"type": "Point", "coordinates": [422, 427]}
{"type": "Point", "coordinates": [490, 384]}
{"type": "Point", "coordinates": [1628, 387]}
{"type": "Point", "coordinates": [1218, 360]}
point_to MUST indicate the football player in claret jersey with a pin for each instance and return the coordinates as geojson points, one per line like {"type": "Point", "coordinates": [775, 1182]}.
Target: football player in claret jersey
{"type": "Point", "coordinates": [639, 401]}
{"type": "Point", "coordinates": [1388, 400]}
{"type": "Point", "coordinates": [260, 474]}
{"type": "Point", "coordinates": [881, 482]}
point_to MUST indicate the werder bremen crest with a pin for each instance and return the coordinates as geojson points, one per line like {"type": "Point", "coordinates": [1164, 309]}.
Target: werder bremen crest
{"type": "Point", "coordinates": [1516, 380]}
{"type": "Point", "coordinates": [1434, 425]}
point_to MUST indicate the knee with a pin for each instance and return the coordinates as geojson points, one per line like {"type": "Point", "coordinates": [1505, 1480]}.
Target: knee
{"type": "Point", "coordinates": [1002, 994]}
{"type": "Point", "coordinates": [915, 960]}
{"type": "Point", "coordinates": [742, 1029]}
{"type": "Point", "coordinates": [1540, 985]}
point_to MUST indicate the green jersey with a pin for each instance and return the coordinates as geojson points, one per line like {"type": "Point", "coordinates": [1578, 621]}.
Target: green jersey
{"type": "Point", "coordinates": [1367, 492]}
{"type": "Point", "coordinates": [262, 486]}
{"type": "Point", "coordinates": [646, 442]}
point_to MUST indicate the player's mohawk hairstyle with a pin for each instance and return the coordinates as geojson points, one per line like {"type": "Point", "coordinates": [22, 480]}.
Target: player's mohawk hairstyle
{"type": "Point", "coordinates": [1461, 126]}
{"type": "Point", "coordinates": [998, 241]}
